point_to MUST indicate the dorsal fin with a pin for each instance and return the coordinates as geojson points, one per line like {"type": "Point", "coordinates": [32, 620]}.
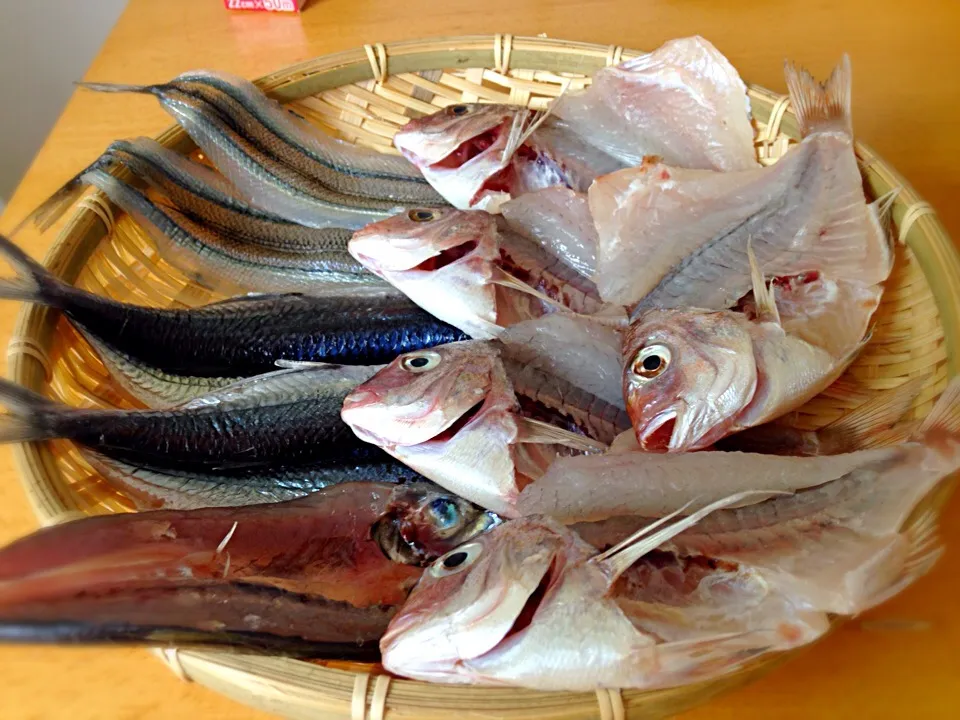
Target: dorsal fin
{"type": "Point", "coordinates": [762, 292]}
{"type": "Point", "coordinates": [621, 556]}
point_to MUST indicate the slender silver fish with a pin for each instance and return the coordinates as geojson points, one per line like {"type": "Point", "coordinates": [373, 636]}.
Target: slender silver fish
{"type": "Point", "coordinates": [205, 197]}
{"type": "Point", "coordinates": [263, 178]}
{"type": "Point", "coordinates": [224, 263]}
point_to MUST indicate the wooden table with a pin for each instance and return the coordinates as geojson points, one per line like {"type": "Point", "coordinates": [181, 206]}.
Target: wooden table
{"type": "Point", "coordinates": [899, 660]}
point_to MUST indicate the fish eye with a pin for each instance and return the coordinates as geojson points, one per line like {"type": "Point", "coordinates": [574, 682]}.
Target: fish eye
{"type": "Point", "coordinates": [459, 109]}
{"type": "Point", "coordinates": [445, 513]}
{"type": "Point", "coordinates": [649, 363]}
{"type": "Point", "coordinates": [456, 560]}
{"type": "Point", "coordinates": [420, 362]}
{"type": "Point", "coordinates": [421, 215]}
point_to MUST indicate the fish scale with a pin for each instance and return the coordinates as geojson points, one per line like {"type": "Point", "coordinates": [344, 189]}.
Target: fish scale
{"type": "Point", "coordinates": [237, 337]}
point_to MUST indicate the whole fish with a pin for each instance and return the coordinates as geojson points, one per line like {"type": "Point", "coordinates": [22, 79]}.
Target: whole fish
{"type": "Point", "coordinates": [150, 487]}
{"type": "Point", "coordinates": [694, 376]}
{"type": "Point", "coordinates": [806, 213]}
{"type": "Point", "coordinates": [283, 420]}
{"type": "Point", "coordinates": [221, 261]}
{"type": "Point", "coordinates": [209, 200]}
{"type": "Point", "coordinates": [628, 481]}
{"type": "Point", "coordinates": [684, 102]}
{"type": "Point", "coordinates": [319, 576]}
{"type": "Point", "coordinates": [499, 610]}
{"type": "Point", "coordinates": [532, 605]}
{"type": "Point", "coordinates": [169, 355]}
{"type": "Point", "coordinates": [264, 179]}
{"type": "Point", "coordinates": [480, 156]}
{"type": "Point", "coordinates": [480, 418]}
{"type": "Point", "coordinates": [459, 266]}
{"type": "Point", "coordinates": [342, 166]}
{"type": "Point", "coordinates": [842, 546]}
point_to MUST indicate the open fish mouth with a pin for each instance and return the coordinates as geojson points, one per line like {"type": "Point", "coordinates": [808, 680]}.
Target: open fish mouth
{"type": "Point", "coordinates": [477, 636]}
{"type": "Point", "coordinates": [534, 600]}
{"type": "Point", "coordinates": [446, 257]}
{"type": "Point", "coordinates": [397, 432]}
{"type": "Point", "coordinates": [471, 148]}
{"type": "Point", "coordinates": [658, 435]}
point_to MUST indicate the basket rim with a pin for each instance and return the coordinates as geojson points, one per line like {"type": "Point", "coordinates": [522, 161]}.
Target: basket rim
{"type": "Point", "coordinates": [922, 232]}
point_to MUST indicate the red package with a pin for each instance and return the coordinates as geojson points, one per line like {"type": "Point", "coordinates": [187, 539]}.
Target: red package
{"type": "Point", "coordinates": [266, 5]}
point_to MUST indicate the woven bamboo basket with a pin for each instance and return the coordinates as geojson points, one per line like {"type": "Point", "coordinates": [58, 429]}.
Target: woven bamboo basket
{"type": "Point", "coordinates": [363, 96]}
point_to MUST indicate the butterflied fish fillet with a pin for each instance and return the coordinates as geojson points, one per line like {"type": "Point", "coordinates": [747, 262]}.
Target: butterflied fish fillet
{"type": "Point", "coordinates": [684, 102]}
{"type": "Point", "coordinates": [805, 213]}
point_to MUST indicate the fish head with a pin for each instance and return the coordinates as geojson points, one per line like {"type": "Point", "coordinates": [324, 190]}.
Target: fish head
{"type": "Point", "coordinates": [442, 259]}
{"type": "Point", "coordinates": [424, 522]}
{"type": "Point", "coordinates": [424, 239]}
{"type": "Point", "coordinates": [687, 374]}
{"type": "Point", "coordinates": [450, 414]}
{"type": "Point", "coordinates": [462, 149]}
{"type": "Point", "coordinates": [473, 598]}
{"type": "Point", "coordinates": [424, 394]}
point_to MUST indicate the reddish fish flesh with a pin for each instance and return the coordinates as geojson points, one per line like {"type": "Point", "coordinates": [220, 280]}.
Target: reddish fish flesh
{"type": "Point", "coordinates": [323, 572]}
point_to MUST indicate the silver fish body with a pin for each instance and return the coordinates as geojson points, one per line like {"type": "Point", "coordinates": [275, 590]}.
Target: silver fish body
{"type": "Point", "coordinates": [222, 262]}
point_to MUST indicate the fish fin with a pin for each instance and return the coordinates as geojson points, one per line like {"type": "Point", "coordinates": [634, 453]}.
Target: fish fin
{"type": "Point", "coordinates": [924, 549]}
{"type": "Point", "coordinates": [33, 282]}
{"type": "Point", "coordinates": [505, 279]}
{"type": "Point", "coordinates": [878, 214]}
{"type": "Point", "coordinates": [521, 131]}
{"type": "Point", "coordinates": [944, 418]}
{"type": "Point", "coordinates": [821, 106]}
{"type": "Point", "coordinates": [763, 295]}
{"type": "Point", "coordinates": [53, 208]}
{"type": "Point", "coordinates": [118, 87]}
{"type": "Point", "coordinates": [306, 365]}
{"type": "Point", "coordinates": [882, 205]}
{"type": "Point", "coordinates": [621, 556]}
{"type": "Point", "coordinates": [535, 431]}
{"type": "Point", "coordinates": [870, 422]}
{"type": "Point", "coordinates": [28, 416]}
{"type": "Point", "coordinates": [514, 137]}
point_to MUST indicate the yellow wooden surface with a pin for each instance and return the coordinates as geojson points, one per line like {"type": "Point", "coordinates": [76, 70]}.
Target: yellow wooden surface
{"type": "Point", "coordinates": [900, 660]}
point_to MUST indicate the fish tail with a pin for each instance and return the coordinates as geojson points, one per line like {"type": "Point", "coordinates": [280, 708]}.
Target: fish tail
{"type": "Point", "coordinates": [30, 416]}
{"type": "Point", "coordinates": [920, 553]}
{"type": "Point", "coordinates": [943, 422]}
{"type": "Point", "coordinates": [33, 282]}
{"type": "Point", "coordinates": [120, 87]}
{"type": "Point", "coordinates": [53, 208]}
{"type": "Point", "coordinates": [869, 424]}
{"type": "Point", "coordinates": [821, 106]}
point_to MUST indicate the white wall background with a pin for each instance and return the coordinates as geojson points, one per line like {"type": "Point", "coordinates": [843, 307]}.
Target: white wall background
{"type": "Point", "coordinates": [45, 45]}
